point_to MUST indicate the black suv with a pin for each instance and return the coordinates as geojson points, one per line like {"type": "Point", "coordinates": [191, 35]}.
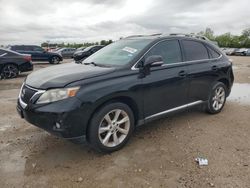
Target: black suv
{"type": "Point", "coordinates": [38, 53]}
{"type": "Point", "coordinates": [86, 52]}
{"type": "Point", "coordinates": [126, 84]}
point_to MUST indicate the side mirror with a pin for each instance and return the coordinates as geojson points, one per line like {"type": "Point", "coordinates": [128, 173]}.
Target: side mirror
{"type": "Point", "coordinates": [153, 61]}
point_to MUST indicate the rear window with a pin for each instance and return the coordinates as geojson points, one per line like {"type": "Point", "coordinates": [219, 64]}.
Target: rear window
{"type": "Point", "coordinates": [194, 50]}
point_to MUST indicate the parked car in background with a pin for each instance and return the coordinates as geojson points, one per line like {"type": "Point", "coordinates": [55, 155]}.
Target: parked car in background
{"type": "Point", "coordinates": [126, 84]}
{"type": "Point", "coordinates": [241, 52]}
{"type": "Point", "coordinates": [80, 49]}
{"type": "Point", "coordinates": [230, 51]}
{"type": "Point", "coordinates": [38, 53]}
{"type": "Point", "coordinates": [66, 52]}
{"type": "Point", "coordinates": [248, 52]}
{"type": "Point", "coordinates": [12, 63]}
{"type": "Point", "coordinates": [81, 55]}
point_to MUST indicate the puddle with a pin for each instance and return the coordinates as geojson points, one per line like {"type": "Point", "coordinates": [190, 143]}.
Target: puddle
{"type": "Point", "coordinates": [240, 93]}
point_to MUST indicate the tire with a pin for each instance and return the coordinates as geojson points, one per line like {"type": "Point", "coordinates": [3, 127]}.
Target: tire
{"type": "Point", "coordinates": [54, 60]}
{"type": "Point", "coordinates": [217, 98]}
{"type": "Point", "coordinates": [105, 133]}
{"type": "Point", "coordinates": [9, 71]}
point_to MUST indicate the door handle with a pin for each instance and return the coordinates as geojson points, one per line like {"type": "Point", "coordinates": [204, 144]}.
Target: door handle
{"type": "Point", "coordinates": [214, 68]}
{"type": "Point", "coordinates": [182, 73]}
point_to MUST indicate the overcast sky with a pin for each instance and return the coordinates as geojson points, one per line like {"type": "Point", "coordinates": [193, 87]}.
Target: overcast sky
{"type": "Point", "coordinates": [36, 21]}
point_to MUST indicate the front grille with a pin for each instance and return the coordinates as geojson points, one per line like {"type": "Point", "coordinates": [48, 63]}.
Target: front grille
{"type": "Point", "coordinates": [27, 93]}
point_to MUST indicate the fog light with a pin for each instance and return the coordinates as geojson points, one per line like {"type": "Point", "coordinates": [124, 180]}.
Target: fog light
{"type": "Point", "coordinates": [58, 126]}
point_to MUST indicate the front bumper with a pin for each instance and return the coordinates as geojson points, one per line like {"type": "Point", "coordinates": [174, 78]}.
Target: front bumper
{"type": "Point", "coordinates": [66, 118]}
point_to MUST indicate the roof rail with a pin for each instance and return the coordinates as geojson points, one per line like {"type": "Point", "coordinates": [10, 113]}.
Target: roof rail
{"type": "Point", "coordinates": [151, 35]}
{"type": "Point", "coordinates": [190, 35]}
{"type": "Point", "coordinates": [131, 36]}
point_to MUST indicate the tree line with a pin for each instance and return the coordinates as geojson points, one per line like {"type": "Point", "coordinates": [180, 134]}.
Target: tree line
{"type": "Point", "coordinates": [229, 40]}
{"type": "Point", "coordinates": [75, 45]}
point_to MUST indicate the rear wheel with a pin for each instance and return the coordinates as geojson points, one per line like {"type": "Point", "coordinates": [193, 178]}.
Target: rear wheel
{"type": "Point", "coordinates": [10, 71]}
{"type": "Point", "coordinates": [54, 60]}
{"type": "Point", "coordinates": [111, 127]}
{"type": "Point", "coordinates": [217, 98]}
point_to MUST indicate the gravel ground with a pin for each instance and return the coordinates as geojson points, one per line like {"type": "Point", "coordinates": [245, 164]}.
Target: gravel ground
{"type": "Point", "coordinates": [160, 154]}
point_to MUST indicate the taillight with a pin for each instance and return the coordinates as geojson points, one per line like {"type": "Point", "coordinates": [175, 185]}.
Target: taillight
{"type": "Point", "coordinates": [27, 58]}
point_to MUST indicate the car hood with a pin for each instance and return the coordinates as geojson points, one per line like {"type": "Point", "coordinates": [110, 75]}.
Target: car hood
{"type": "Point", "coordinates": [61, 75]}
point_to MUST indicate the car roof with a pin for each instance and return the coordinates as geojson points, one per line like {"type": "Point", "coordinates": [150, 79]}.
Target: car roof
{"type": "Point", "coordinates": [160, 36]}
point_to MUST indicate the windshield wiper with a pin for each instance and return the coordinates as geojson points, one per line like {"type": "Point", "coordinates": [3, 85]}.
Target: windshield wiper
{"type": "Point", "coordinates": [91, 63]}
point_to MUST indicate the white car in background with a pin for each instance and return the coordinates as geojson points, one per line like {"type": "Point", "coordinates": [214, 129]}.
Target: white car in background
{"type": "Point", "coordinates": [241, 52]}
{"type": "Point", "coordinates": [248, 52]}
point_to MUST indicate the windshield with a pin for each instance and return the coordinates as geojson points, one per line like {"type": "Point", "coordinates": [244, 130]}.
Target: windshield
{"type": "Point", "coordinates": [119, 53]}
{"type": "Point", "coordinates": [87, 49]}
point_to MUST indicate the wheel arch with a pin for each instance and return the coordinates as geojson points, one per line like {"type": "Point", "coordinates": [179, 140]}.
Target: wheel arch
{"type": "Point", "coordinates": [226, 82]}
{"type": "Point", "coordinates": [123, 99]}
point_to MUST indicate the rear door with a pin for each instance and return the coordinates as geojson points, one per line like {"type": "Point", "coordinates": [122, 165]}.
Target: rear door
{"type": "Point", "coordinates": [38, 53]}
{"type": "Point", "coordinates": [201, 70]}
{"type": "Point", "coordinates": [166, 86]}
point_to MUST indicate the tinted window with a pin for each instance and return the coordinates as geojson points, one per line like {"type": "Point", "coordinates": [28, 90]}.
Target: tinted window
{"type": "Point", "coordinates": [16, 48]}
{"type": "Point", "coordinates": [28, 48]}
{"type": "Point", "coordinates": [213, 53]}
{"type": "Point", "coordinates": [37, 48]}
{"type": "Point", "coordinates": [169, 50]}
{"type": "Point", "coordinates": [194, 50]}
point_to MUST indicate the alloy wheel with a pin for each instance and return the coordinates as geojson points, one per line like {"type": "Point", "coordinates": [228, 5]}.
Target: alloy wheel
{"type": "Point", "coordinates": [114, 128]}
{"type": "Point", "coordinates": [10, 71]}
{"type": "Point", "coordinates": [219, 98]}
{"type": "Point", "coordinates": [55, 60]}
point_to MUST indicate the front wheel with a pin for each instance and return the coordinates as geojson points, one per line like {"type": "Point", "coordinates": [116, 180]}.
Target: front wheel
{"type": "Point", "coordinates": [111, 127]}
{"type": "Point", "coordinates": [217, 98]}
{"type": "Point", "coordinates": [54, 60]}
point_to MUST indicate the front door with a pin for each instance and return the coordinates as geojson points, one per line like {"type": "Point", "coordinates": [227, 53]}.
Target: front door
{"type": "Point", "coordinates": [166, 87]}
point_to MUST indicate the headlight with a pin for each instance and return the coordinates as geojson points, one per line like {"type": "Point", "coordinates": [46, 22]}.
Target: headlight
{"type": "Point", "coordinates": [53, 95]}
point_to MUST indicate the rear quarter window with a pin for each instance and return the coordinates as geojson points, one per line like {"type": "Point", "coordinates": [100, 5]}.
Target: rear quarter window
{"type": "Point", "coordinates": [212, 53]}
{"type": "Point", "coordinates": [194, 50]}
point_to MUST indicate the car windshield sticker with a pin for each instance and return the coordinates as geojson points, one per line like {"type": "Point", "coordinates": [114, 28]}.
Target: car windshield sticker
{"type": "Point", "coordinates": [130, 50]}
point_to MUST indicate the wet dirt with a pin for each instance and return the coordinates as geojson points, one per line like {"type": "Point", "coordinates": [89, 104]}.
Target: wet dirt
{"type": "Point", "coordinates": [160, 154]}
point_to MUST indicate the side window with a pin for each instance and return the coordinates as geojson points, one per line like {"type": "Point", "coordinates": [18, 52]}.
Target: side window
{"type": "Point", "coordinates": [27, 48]}
{"type": "Point", "coordinates": [169, 50]}
{"type": "Point", "coordinates": [37, 48]}
{"type": "Point", "coordinates": [194, 50]}
{"type": "Point", "coordinates": [213, 53]}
